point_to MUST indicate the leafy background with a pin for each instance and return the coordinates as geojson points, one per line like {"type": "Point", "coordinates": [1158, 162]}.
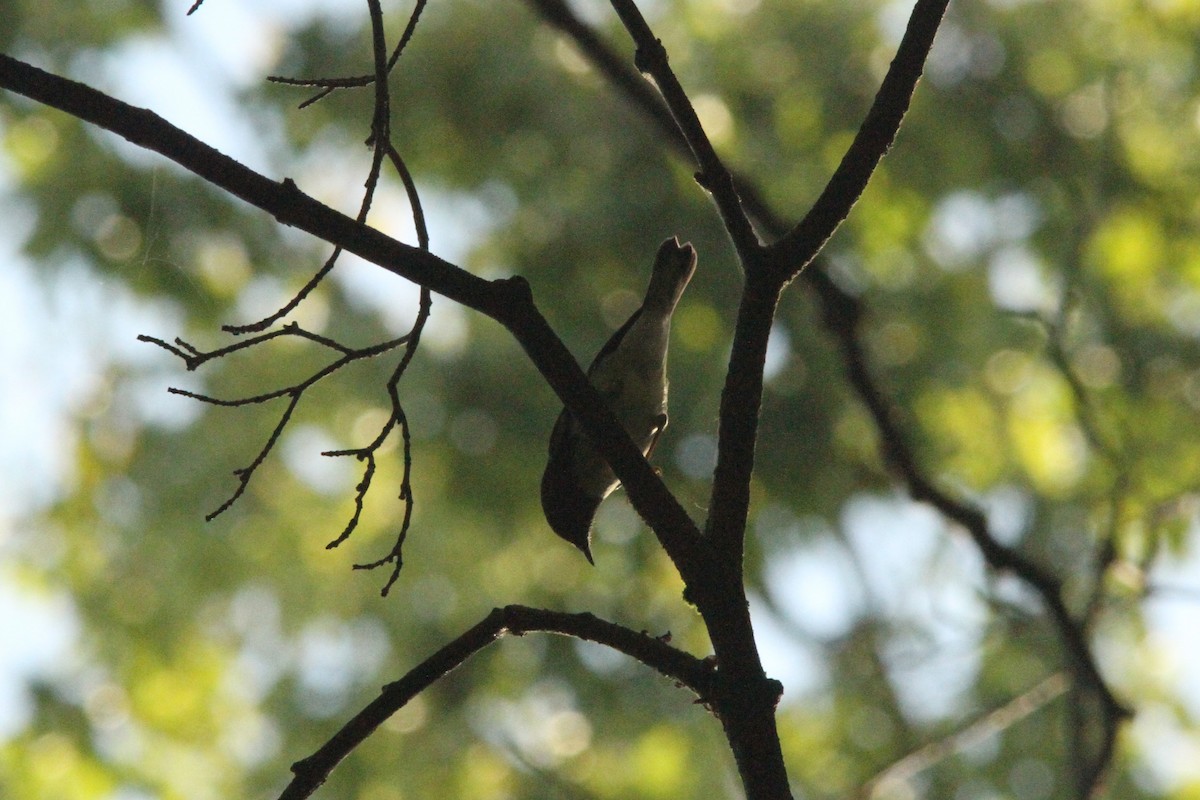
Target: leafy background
{"type": "Point", "coordinates": [1029, 256]}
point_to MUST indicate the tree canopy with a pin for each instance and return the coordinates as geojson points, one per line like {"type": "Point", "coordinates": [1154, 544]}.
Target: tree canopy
{"type": "Point", "coordinates": [1014, 335]}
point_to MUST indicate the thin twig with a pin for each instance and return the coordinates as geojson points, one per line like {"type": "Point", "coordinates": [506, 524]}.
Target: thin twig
{"type": "Point", "coordinates": [244, 474]}
{"type": "Point", "coordinates": [398, 417]}
{"type": "Point", "coordinates": [191, 356]}
{"type": "Point", "coordinates": [348, 355]}
{"type": "Point", "coordinates": [194, 358]}
{"type": "Point", "coordinates": [329, 85]}
{"type": "Point", "coordinates": [382, 147]}
{"type": "Point", "coordinates": [291, 305]}
{"type": "Point", "coordinates": [381, 140]}
{"type": "Point", "coordinates": [364, 208]}
{"type": "Point", "coordinates": [380, 125]}
{"type": "Point", "coordinates": [980, 730]}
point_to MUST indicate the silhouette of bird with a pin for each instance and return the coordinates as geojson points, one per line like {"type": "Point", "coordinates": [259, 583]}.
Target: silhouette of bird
{"type": "Point", "coordinates": [630, 373]}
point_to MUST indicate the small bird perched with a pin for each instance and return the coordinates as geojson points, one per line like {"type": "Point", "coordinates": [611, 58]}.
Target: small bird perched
{"type": "Point", "coordinates": [630, 373]}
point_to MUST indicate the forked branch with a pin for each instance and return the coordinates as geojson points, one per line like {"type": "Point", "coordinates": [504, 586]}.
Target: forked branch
{"type": "Point", "coordinates": [194, 357]}
{"type": "Point", "coordinates": [330, 85]}
{"type": "Point", "coordinates": [508, 301]}
{"type": "Point", "coordinates": [842, 314]}
{"type": "Point", "coordinates": [383, 150]}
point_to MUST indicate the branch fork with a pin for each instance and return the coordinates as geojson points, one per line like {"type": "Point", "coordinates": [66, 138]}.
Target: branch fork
{"type": "Point", "coordinates": [710, 560]}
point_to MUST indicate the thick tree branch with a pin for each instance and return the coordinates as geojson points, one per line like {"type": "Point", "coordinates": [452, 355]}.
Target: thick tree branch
{"type": "Point", "coordinates": [675, 529]}
{"type": "Point", "coordinates": [614, 68]}
{"type": "Point", "coordinates": [741, 399]}
{"type": "Point", "coordinates": [747, 709]}
{"type": "Point", "coordinates": [719, 595]}
{"type": "Point", "coordinates": [687, 670]}
{"type": "Point", "coordinates": [749, 716]}
{"type": "Point", "coordinates": [643, 97]}
{"type": "Point", "coordinates": [282, 200]}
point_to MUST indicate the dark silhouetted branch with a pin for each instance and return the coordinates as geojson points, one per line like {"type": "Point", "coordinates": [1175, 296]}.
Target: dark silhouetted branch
{"type": "Point", "coordinates": [873, 140]}
{"type": "Point", "coordinates": [655, 652]}
{"type": "Point", "coordinates": [329, 85]}
{"type": "Point", "coordinates": [842, 312]}
{"type": "Point", "coordinates": [651, 59]}
{"type": "Point", "coordinates": [193, 358]}
{"type": "Point", "coordinates": [508, 301]}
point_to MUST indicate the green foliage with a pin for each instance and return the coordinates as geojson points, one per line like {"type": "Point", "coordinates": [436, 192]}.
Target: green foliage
{"type": "Point", "coordinates": [1028, 257]}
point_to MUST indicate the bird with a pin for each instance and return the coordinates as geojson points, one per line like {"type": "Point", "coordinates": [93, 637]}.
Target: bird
{"type": "Point", "coordinates": [630, 373]}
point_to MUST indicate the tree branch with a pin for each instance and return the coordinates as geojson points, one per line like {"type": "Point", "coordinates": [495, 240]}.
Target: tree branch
{"type": "Point", "coordinates": [842, 312]}
{"type": "Point", "coordinates": [398, 417]}
{"type": "Point", "coordinates": [686, 670]}
{"type": "Point", "coordinates": [875, 136]}
{"type": "Point", "coordinates": [379, 138]}
{"type": "Point", "coordinates": [329, 85]}
{"type": "Point", "coordinates": [194, 358]}
{"type": "Point", "coordinates": [651, 58]}
{"type": "Point", "coordinates": [900, 773]}
{"type": "Point", "coordinates": [746, 704]}
{"type": "Point", "coordinates": [508, 301]}
{"type": "Point", "coordinates": [643, 97]}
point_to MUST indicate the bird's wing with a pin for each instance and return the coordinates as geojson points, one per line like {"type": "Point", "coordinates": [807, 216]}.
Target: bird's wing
{"type": "Point", "coordinates": [614, 341]}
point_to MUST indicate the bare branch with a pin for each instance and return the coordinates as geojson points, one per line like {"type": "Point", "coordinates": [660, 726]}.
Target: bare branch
{"type": "Point", "coordinates": [193, 358]}
{"type": "Point", "coordinates": [400, 419]}
{"type": "Point", "coordinates": [873, 140]}
{"type": "Point", "coordinates": [244, 474]}
{"type": "Point", "coordinates": [381, 139]}
{"type": "Point", "coordinates": [651, 58]}
{"type": "Point", "coordinates": [408, 33]}
{"type": "Point", "coordinates": [290, 305]}
{"type": "Point", "coordinates": [842, 312]}
{"type": "Point", "coordinates": [329, 85]}
{"type": "Point", "coordinates": [366, 454]}
{"type": "Point", "coordinates": [686, 670]}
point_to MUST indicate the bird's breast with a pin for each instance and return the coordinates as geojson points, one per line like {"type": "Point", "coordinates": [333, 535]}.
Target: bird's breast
{"type": "Point", "coordinates": [633, 378]}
